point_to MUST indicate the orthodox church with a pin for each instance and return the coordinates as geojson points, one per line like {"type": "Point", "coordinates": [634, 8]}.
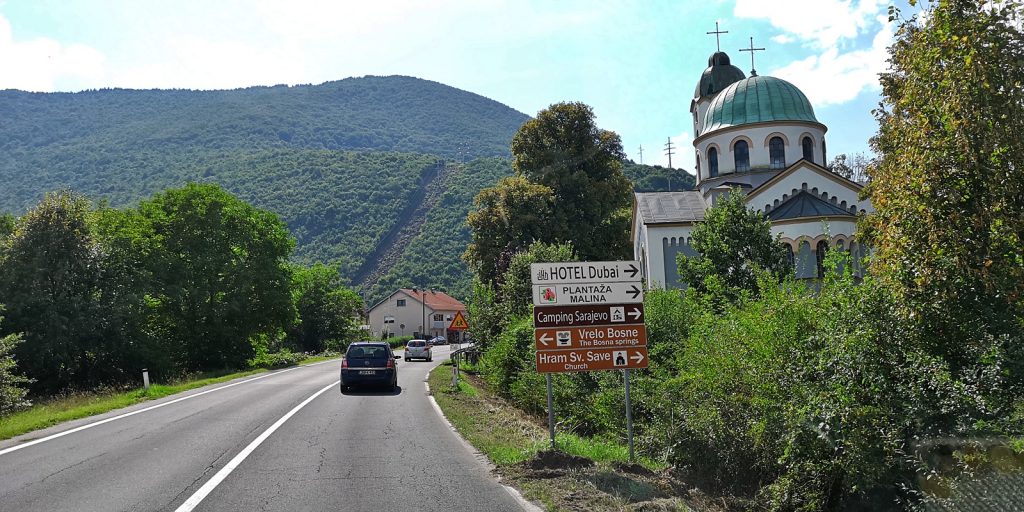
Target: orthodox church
{"type": "Point", "coordinates": [757, 134]}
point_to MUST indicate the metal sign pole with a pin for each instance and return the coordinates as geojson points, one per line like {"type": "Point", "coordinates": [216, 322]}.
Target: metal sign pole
{"type": "Point", "coordinates": [629, 417]}
{"type": "Point", "coordinates": [551, 412]}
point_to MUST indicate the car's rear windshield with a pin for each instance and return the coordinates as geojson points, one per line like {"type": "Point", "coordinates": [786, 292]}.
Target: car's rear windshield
{"type": "Point", "coordinates": [367, 351]}
{"type": "Point", "coordinates": [417, 343]}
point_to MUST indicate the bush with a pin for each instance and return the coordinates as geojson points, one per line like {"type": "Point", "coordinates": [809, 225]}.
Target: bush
{"type": "Point", "coordinates": [398, 341]}
{"type": "Point", "coordinates": [12, 394]}
{"type": "Point", "coordinates": [279, 359]}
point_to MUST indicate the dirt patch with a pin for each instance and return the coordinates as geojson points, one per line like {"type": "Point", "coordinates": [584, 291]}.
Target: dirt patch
{"type": "Point", "coordinates": [550, 459]}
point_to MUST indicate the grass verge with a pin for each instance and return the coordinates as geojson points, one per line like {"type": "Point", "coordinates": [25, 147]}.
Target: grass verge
{"type": "Point", "coordinates": [81, 405]}
{"type": "Point", "coordinates": [585, 474]}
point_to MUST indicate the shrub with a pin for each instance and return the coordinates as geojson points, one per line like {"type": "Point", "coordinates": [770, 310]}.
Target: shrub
{"type": "Point", "coordinates": [12, 394]}
{"type": "Point", "coordinates": [279, 359]}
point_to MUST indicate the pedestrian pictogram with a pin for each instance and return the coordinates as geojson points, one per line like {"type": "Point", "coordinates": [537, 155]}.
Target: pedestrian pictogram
{"type": "Point", "coordinates": [459, 323]}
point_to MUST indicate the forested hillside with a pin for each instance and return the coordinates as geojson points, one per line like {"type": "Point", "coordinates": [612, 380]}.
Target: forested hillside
{"type": "Point", "coordinates": [393, 113]}
{"type": "Point", "coordinates": [655, 178]}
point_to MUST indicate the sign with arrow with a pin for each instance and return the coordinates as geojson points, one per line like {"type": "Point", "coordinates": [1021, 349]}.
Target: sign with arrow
{"type": "Point", "coordinates": [560, 294]}
{"type": "Point", "coordinates": [586, 272]}
{"type": "Point", "coordinates": [591, 359]}
{"type": "Point", "coordinates": [611, 314]}
{"type": "Point", "coordinates": [607, 336]}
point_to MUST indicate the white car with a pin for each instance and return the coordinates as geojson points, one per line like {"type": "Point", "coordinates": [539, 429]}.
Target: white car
{"type": "Point", "coordinates": [418, 349]}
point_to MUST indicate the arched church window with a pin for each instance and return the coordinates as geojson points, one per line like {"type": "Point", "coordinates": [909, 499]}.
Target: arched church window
{"type": "Point", "coordinates": [712, 162]}
{"type": "Point", "coordinates": [777, 153]}
{"type": "Point", "coordinates": [742, 154]}
{"type": "Point", "coordinates": [824, 155]}
{"type": "Point", "coordinates": [790, 257]}
{"type": "Point", "coordinates": [819, 254]}
{"type": "Point", "coordinates": [808, 146]}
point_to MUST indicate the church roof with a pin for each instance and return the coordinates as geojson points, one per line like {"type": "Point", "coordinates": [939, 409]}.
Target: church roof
{"type": "Point", "coordinates": [670, 207]}
{"type": "Point", "coordinates": [719, 75]}
{"type": "Point", "coordinates": [805, 204]}
{"type": "Point", "coordinates": [757, 99]}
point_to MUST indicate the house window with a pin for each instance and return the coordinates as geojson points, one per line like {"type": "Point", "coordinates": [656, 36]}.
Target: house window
{"type": "Point", "coordinates": [742, 154]}
{"type": "Point", "coordinates": [808, 145]}
{"type": "Point", "coordinates": [439, 317]}
{"type": "Point", "coordinates": [777, 153]}
{"type": "Point", "coordinates": [712, 162]}
{"type": "Point", "coordinates": [401, 303]}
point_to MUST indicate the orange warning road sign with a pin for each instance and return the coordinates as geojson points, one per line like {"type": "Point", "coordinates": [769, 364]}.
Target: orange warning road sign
{"type": "Point", "coordinates": [591, 359]}
{"type": "Point", "coordinates": [459, 323]}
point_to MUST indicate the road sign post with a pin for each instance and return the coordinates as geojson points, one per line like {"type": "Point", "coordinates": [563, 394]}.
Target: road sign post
{"type": "Point", "coordinates": [589, 316]}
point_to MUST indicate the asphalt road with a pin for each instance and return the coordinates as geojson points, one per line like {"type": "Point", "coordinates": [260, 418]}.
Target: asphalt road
{"type": "Point", "coordinates": [250, 446]}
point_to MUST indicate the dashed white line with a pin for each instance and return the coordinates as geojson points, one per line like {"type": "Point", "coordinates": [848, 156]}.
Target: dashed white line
{"type": "Point", "coordinates": [133, 413]}
{"type": "Point", "coordinates": [214, 481]}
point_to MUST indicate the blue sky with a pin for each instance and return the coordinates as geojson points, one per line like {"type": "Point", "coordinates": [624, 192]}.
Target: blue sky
{"type": "Point", "coordinates": [635, 62]}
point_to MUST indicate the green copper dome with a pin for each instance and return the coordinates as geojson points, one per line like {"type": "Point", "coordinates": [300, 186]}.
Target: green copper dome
{"type": "Point", "coordinates": [757, 99]}
{"type": "Point", "coordinates": [719, 75]}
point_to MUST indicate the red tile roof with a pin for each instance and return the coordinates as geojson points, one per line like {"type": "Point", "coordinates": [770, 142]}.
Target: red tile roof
{"type": "Point", "coordinates": [438, 301]}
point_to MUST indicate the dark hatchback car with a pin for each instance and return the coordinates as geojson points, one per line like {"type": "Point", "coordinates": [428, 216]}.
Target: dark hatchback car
{"type": "Point", "coordinates": [368, 363]}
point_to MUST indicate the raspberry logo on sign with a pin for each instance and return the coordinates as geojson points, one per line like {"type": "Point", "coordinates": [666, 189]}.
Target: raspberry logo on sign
{"type": "Point", "coordinates": [548, 295]}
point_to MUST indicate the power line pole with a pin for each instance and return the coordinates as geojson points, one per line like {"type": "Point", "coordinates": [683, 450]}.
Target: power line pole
{"type": "Point", "coordinates": [641, 154]}
{"type": "Point", "coordinates": [669, 152]}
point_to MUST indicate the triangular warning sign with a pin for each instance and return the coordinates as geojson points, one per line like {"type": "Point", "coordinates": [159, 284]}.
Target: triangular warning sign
{"type": "Point", "coordinates": [458, 323]}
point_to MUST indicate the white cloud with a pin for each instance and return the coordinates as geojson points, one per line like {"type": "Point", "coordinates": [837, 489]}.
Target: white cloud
{"type": "Point", "coordinates": [44, 64]}
{"type": "Point", "coordinates": [839, 69]}
{"type": "Point", "coordinates": [823, 23]}
{"type": "Point", "coordinates": [833, 77]}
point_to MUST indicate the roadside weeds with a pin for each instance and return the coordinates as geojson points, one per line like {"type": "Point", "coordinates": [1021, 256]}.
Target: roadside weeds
{"type": "Point", "coordinates": [583, 475]}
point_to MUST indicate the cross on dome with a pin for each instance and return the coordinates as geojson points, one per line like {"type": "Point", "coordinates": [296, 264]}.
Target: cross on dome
{"type": "Point", "coordinates": [751, 49]}
{"type": "Point", "coordinates": [716, 32]}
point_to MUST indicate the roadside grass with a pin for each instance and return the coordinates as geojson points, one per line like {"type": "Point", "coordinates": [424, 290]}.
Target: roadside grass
{"type": "Point", "coordinates": [508, 435]}
{"type": "Point", "coordinates": [73, 406]}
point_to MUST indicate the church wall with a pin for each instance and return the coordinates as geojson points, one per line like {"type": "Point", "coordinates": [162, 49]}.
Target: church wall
{"type": "Point", "coordinates": [673, 246]}
{"type": "Point", "coordinates": [824, 187]}
{"type": "Point", "coordinates": [758, 135]}
{"type": "Point", "coordinates": [663, 243]}
{"type": "Point", "coordinates": [814, 229]}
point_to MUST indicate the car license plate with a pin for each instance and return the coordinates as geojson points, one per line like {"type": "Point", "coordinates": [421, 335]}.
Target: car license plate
{"type": "Point", "coordinates": [367, 372]}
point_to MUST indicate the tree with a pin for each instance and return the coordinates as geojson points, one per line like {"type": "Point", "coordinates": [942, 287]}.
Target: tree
{"type": "Point", "coordinates": [12, 392]}
{"type": "Point", "coordinates": [732, 243]}
{"type": "Point", "coordinates": [516, 292]}
{"type": "Point", "coordinates": [853, 168]}
{"type": "Point", "coordinates": [564, 150]}
{"type": "Point", "coordinates": [6, 225]}
{"type": "Point", "coordinates": [507, 218]}
{"type": "Point", "coordinates": [327, 310]}
{"type": "Point", "coordinates": [948, 227]}
{"type": "Point", "coordinates": [50, 279]}
{"type": "Point", "coordinates": [219, 271]}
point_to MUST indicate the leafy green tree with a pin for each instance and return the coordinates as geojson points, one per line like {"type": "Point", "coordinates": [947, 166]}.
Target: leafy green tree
{"type": "Point", "coordinates": [327, 310]}
{"type": "Point", "coordinates": [732, 243]}
{"type": "Point", "coordinates": [50, 279]}
{"type": "Point", "coordinates": [853, 167]}
{"type": "Point", "coordinates": [516, 292]}
{"type": "Point", "coordinates": [12, 385]}
{"type": "Point", "coordinates": [948, 227]}
{"type": "Point", "coordinates": [564, 150]}
{"type": "Point", "coordinates": [219, 271]}
{"type": "Point", "coordinates": [507, 218]}
{"type": "Point", "coordinates": [6, 225]}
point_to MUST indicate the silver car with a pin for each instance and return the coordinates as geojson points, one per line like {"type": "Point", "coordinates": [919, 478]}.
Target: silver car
{"type": "Point", "coordinates": [418, 349]}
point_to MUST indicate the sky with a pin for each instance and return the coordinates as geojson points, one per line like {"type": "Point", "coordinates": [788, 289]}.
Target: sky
{"type": "Point", "coordinates": [636, 62]}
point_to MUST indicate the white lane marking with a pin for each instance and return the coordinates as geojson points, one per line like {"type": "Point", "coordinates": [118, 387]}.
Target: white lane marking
{"type": "Point", "coordinates": [214, 481]}
{"type": "Point", "coordinates": [157, 406]}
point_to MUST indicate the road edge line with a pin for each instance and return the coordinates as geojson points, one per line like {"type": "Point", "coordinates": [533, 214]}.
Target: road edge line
{"type": "Point", "coordinates": [481, 458]}
{"type": "Point", "coordinates": [193, 501]}
{"type": "Point", "coordinates": [146, 409]}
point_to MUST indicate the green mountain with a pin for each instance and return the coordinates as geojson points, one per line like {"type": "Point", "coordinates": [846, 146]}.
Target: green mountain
{"type": "Point", "coordinates": [376, 173]}
{"type": "Point", "coordinates": [655, 178]}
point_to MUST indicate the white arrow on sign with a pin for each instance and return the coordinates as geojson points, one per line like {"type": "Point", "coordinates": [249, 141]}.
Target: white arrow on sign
{"type": "Point", "coordinates": [636, 313]}
{"type": "Point", "coordinates": [562, 294]}
{"type": "Point", "coordinates": [585, 272]}
{"type": "Point", "coordinates": [545, 338]}
{"type": "Point", "coordinates": [637, 357]}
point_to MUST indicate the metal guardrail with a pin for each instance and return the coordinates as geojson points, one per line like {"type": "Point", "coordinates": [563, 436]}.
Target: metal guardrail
{"type": "Point", "coordinates": [470, 353]}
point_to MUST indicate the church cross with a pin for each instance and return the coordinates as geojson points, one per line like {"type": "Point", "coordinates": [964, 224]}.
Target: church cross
{"type": "Point", "coordinates": [718, 43]}
{"type": "Point", "coordinates": [753, 72]}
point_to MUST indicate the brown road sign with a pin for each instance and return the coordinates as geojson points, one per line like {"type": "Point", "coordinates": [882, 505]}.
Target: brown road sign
{"type": "Point", "coordinates": [591, 359]}
{"type": "Point", "coordinates": [605, 314]}
{"type": "Point", "coordinates": [605, 336]}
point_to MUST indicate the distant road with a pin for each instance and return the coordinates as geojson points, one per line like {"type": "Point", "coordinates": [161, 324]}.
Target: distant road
{"type": "Point", "coordinates": [369, 450]}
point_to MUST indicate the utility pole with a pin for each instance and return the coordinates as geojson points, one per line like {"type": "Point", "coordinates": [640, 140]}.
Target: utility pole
{"type": "Point", "coordinates": [669, 152]}
{"type": "Point", "coordinates": [641, 154]}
